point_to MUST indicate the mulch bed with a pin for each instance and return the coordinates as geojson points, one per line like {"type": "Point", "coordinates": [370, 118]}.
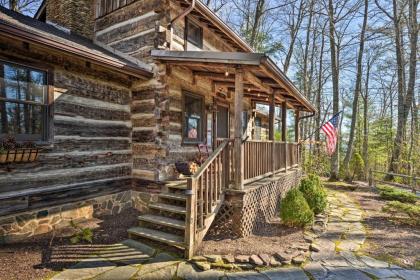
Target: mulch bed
{"type": "Point", "coordinates": [274, 238]}
{"type": "Point", "coordinates": [42, 256]}
{"type": "Point", "coordinates": [387, 239]}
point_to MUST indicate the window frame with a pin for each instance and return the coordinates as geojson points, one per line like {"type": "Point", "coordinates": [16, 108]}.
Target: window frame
{"type": "Point", "coordinates": [201, 136]}
{"type": "Point", "coordinates": [199, 44]}
{"type": "Point", "coordinates": [46, 107]}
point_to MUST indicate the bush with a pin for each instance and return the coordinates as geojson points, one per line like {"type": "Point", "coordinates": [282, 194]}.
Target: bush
{"type": "Point", "coordinates": [356, 166]}
{"type": "Point", "coordinates": [294, 210]}
{"type": "Point", "coordinates": [391, 193]}
{"type": "Point", "coordinates": [314, 193]}
{"type": "Point", "coordinates": [408, 212]}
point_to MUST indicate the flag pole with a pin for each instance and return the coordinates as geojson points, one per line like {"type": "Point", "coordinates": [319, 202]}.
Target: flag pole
{"type": "Point", "coordinates": [310, 136]}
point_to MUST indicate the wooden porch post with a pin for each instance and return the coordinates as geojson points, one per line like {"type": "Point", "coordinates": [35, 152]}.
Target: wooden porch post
{"type": "Point", "coordinates": [297, 115]}
{"type": "Point", "coordinates": [297, 121]}
{"type": "Point", "coordinates": [239, 158]}
{"type": "Point", "coordinates": [271, 118]}
{"type": "Point", "coordinates": [271, 129]}
{"type": "Point", "coordinates": [284, 131]}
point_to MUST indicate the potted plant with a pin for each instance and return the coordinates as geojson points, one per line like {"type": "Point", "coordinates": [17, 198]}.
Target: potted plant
{"type": "Point", "coordinates": [14, 152]}
{"type": "Point", "coordinates": [186, 168]}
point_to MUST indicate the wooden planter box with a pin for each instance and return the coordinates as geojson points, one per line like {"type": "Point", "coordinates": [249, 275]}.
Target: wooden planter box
{"type": "Point", "coordinates": [19, 155]}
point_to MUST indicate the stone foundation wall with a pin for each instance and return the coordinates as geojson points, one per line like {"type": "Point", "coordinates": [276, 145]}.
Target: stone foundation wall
{"type": "Point", "coordinates": [18, 227]}
{"type": "Point", "coordinates": [249, 211]}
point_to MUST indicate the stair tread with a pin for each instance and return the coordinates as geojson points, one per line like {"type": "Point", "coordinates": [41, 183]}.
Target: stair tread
{"type": "Point", "coordinates": [175, 183]}
{"type": "Point", "coordinates": [173, 196]}
{"type": "Point", "coordinates": [165, 221]}
{"type": "Point", "coordinates": [169, 208]}
{"type": "Point", "coordinates": [179, 186]}
{"type": "Point", "coordinates": [168, 238]}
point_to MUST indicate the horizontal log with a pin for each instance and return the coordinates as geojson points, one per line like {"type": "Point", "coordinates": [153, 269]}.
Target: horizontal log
{"type": "Point", "coordinates": [76, 143]}
{"type": "Point", "coordinates": [85, 111]}
{"type": "Point", "coordinates": [132, 44]}
{"type": "Point", "coordinates": [144, 136]}
{"type": "Point", "coordinates": [51, 161]}
{"type": "Point", "coordinates": [63, 176]}
{"type": "Point", "coordinates": [18, 201]}
{"type": "Point", "coordinates": [64, 125]}
{"type": "Point", "coordinates": [126, 13]}
{"type": "Point", "coordinates": [76, 85]}
{"type": "Point", "coordinates": [128, 28]}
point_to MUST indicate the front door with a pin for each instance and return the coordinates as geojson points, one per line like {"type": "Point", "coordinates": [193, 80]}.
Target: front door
{"type": "Point", "coordinates": [222, 121]}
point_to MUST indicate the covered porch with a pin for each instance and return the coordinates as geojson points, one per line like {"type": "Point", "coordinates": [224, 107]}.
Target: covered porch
{"type": "Point", "coordinates": [238, 79]}
{"type": "Point", "coordinates": [238, 160]}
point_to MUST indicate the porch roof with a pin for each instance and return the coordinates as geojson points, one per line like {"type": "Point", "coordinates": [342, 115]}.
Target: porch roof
{"type": "Point", "coordinates": [262, 77]}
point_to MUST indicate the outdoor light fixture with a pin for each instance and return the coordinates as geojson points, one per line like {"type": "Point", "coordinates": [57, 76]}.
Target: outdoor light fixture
{"type": "Point", "coordinates": [227, 73]}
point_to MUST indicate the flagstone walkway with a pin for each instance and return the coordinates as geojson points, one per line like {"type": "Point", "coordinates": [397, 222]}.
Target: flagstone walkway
{"type": "Point", "coordinates": [336, 259]}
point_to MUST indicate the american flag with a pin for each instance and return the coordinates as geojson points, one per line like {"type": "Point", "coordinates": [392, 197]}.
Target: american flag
{"type": "Point", "coordinates": [330, 129]}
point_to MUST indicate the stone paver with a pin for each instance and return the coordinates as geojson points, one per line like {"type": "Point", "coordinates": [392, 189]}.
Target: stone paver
{"type": "Point", "coordinates": [292, 273]}
{"type": "Point", "coordinates": [332, 256]}
{"type": "Point", "coordinates": [119, 273]}
{"type": "Point", "coordinates": [85, 269]}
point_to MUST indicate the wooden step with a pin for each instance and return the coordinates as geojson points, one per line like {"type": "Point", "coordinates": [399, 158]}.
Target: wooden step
{"type": "Point", "coordinates": [163, 221]}
{"type": "Point", "coordinates": [156, 235]}
{"type": "Point", "coordinates": [175, 183]}
{"type": "Point", "coordinates": [173, 196]}
{"type": "Point", "coordinates": [178, 187]}
{"type": "Point", "coordinates": [169, 208]}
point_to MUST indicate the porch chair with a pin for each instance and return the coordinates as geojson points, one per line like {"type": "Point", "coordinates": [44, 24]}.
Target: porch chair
{"type": "Point", "coordinates": [203, 152]}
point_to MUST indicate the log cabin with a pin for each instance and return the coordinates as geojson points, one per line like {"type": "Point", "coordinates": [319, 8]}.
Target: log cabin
{"type": "Point", "coordinates": [115, 93]}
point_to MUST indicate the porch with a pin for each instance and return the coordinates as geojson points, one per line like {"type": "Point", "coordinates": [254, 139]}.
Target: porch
{"type": "Point", "coordinates": [238, 79]}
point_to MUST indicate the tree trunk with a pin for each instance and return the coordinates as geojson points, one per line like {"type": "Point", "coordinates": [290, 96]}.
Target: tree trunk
{"type": "Point", "coordinates": [318, 94]}
{"type": "Point", "coordinates": [357, 90]}
{"type": "Point", "coordinates": [336, 93]}
{"type": "Point", "coordinates": [404, 100]}
{"type": "Point", "coordinates": [293, 35]}
{"type": "Point", "coordinates": [365, 152]}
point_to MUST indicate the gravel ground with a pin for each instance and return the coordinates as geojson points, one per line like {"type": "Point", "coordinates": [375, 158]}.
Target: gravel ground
{"type": "Point", "coordinates": [41, 257]}
{"type": "Point", "coordinates": [387, 240]}
{"type": "Point", "coordinates": [274, 238]}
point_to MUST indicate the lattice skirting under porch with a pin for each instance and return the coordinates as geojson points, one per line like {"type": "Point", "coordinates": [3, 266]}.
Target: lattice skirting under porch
{"type": "Point", "coordinates": [249, 211]}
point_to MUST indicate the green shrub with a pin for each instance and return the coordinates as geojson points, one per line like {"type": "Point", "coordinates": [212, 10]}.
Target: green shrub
{"type": "Point", "coordinates": [314, 193]}
{"type": "Point", "coordinates": [408, 212]}
{"type": "Point", "coordinates": [82, 234]}
{"type": "Point", "coordinates": [294, 210]}
{"type": "Point", "coordinates": [391, 193]}
{"type": "Point", "coordinates": [356, 166]}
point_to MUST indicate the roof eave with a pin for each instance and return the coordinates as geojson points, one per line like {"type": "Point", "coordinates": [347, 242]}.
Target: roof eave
{"type": "Point", "coordinates": [272, 66]}
{"type": "Point", "coordinates": [14, 32]}
{"type": "Point", "coordinates": [201, 7]}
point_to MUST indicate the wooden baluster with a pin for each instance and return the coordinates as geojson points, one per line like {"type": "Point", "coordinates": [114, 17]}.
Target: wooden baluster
{"type": "Point", "coordinates": [190, 218]}
{"type": "Point", "coordinates": [201, 214]}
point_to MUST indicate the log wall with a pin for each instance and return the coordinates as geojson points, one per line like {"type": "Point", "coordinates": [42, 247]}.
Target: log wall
{"type": "Point", "coordinates": [89, 153]}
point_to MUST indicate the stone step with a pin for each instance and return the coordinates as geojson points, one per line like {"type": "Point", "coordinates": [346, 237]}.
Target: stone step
{"type": "Point", "coordinates": [163, 221]}
{"type": "Point", "coordinates": [168, 208]}
{"type": "Point", "coordinates": [156, 235]}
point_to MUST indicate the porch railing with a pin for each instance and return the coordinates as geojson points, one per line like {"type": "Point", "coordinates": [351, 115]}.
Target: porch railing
{"type": "Point", "coordinates": [205, 195]}
{"type": "Point", "coordinates": [262, 158]}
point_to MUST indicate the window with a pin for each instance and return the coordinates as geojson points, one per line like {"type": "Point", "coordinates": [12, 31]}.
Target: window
{"type": "Point", "coordinates": [194, 118]}
{"type": "Point", "coordinates": [194, 34]}
{"type": "Point", "coordinates": [23, 101]}
{"type": "Point", "coordinates": [104, 7]}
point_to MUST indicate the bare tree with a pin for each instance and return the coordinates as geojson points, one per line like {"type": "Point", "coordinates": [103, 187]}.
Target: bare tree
{"type": "Point", "coordinates": [357, 91]}
{"type": "Point", "coordinates": [21, 6]}
{"type": "Point", "coordinates": [405, 93]}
